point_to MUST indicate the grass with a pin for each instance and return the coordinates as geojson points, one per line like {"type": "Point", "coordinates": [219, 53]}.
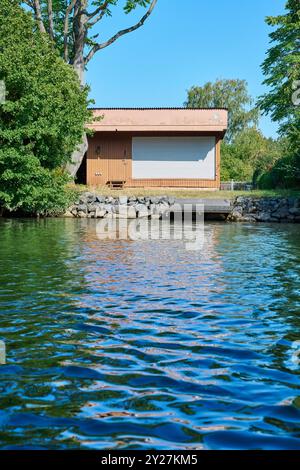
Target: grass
{"type": "Point", "coordinates": [187, 193]}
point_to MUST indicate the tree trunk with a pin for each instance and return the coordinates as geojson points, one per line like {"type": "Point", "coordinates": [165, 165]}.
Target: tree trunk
{"type": "Point", "coordinates": [73, 166]}
{"type": "Point", "coordinates": [79, 66]}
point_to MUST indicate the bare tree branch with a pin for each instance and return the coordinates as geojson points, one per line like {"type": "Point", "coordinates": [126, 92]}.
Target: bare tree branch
{"type": "Point", "coordinates": [66, 29]}
{"type": "Point", "coordinates": [97, 18]}
{"type": "Point", "coordinates": [97, 14]}
{"type": "Point", "coordinates": [100, 8]}
{"type": "Point", "coordinates": [114, 38]}
{"type": "Point", "coordinates": [38, 16]}
{"type": "Point", "coordinates": [50, 17]}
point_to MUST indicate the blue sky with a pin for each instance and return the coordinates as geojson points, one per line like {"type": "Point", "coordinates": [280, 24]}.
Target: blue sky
{"type": "Point", "coordinates": [183, 43]}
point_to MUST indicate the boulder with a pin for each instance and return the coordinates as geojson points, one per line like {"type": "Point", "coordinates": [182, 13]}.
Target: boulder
{"type": "Point", "coordinates": [87, 197]}
{"type": "Point", "coordinates": [82, 208]}
{"type": "Point", "coordinates": [100, 199]}
{"type": "Point", "coordinates": [263, 217]}
{"type": "Point", "coordinates": [92, 208]}
{"type": "Point", "coordinates": [100, 213]}
{"type": "Point", "coordinates": [154, 200]}
{"type": "Point", "coordinates": [123, 200]}
{"type": "Point", "coordinates": [69, 214]}
{"type": "Point", "coordinates": [281, 213]}
{"type": "Point", "coordinates": [81, 214]}
{"type": "Point", "coordinates": [294, 211]}
{"type": "Point", "coordinates": [142, 210]}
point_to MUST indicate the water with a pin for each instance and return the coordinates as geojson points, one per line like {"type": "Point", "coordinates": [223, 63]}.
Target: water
{"type": "Point", "coordinates": [143, 344]}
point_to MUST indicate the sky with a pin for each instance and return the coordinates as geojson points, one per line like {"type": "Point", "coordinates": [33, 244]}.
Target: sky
{"type": "Point", "coordinates": [183, 43]}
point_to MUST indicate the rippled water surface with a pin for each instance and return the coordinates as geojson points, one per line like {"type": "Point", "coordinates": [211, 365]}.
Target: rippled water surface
{"type": "Point", "coordinates": [142, 344]}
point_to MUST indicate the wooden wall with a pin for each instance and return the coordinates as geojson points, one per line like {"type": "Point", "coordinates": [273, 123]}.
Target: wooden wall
{"type": "Point", "coordinates": [109, 157]}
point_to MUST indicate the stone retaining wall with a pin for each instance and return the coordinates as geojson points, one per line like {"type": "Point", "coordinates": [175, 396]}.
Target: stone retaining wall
{"type": "Point", "coordinates": [94, 206]}
{"type": "Point", "coordinates": [244, 209]}
{"type": "Point", "coordinates": [249, 209]}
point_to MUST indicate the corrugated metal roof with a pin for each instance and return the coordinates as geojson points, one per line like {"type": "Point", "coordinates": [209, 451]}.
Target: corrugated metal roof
{"type": "Point", "coordinates": [158, 108]}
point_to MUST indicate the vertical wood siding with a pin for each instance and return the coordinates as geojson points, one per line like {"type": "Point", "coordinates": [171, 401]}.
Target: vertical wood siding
{"type": "Point", "coordinates": [109, 158]}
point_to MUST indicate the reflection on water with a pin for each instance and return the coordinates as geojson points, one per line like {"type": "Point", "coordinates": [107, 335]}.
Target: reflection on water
{"type": "Point", "coordinates": [142, 344]}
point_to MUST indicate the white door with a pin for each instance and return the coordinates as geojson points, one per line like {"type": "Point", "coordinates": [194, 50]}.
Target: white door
{"type": "Point", "coordinates": [173, 157]}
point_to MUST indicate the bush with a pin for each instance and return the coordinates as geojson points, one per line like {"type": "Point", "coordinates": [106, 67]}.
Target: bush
{"type": "Point", "coordinates": [25, 185]}
{"type": "Point", "coordinates": [284, 174]}
{"type": "Point", "coordinates": [42, 119]}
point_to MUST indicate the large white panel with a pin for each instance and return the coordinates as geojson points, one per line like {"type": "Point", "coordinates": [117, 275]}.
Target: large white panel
{"type": "Point", "coordinates": [173, 157]}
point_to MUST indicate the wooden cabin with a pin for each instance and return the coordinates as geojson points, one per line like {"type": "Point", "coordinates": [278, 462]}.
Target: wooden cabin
{"type": "Point", "coordinates": [156, 147]}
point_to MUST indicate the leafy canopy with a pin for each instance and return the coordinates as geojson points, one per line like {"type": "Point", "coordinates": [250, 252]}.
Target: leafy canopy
{"type": "Point", "coordinates": [249, 155]}
{"type": "Point", "coordinates": [231, 94]}
{"type": "Point", "coordinates": [42, 119]}
{"type": "Point", "coordinates": [282, 71]}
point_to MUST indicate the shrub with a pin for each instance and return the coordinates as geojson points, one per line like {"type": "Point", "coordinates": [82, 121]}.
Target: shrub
{"type": "Point", "coordinates": [42, 119]}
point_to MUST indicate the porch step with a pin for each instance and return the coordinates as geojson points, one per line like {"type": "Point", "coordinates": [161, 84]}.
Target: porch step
{"type": "Point", "coordinates": [116, 184]}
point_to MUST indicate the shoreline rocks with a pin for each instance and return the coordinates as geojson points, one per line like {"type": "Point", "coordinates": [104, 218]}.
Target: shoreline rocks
{"type": "Point", "coordinates": [90, 205]}
{"type": "Point", "coordinates": [268, 209]}
{"type": "Point", "coordinates": [243, 208]}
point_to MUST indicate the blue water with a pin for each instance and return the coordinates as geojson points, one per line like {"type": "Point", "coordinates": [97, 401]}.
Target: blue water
{"type": "Point", "coordinates": [120, 344]}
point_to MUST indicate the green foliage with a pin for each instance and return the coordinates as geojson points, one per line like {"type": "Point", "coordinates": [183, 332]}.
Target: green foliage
{"type": "Point", "coordinates": [28, 187]}
{"type": "Point", "coordinates": [282, 70]}
{"type": "Point", "coordinates": [231, 94]}
{"type": "Point", "coordinates": [42, 119]}
{"type": "Point", "coordinates": [248, 156]}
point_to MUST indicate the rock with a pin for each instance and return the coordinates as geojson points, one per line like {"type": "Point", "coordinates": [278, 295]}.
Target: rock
{"type": "Point", "coordinates": [294, 211]}
{"type": "Point", "coordinates": [100, 213]}
{"type": "Point", "coordinates": [142, 210]}
{"type": "Point", "coordinates": [154, 200]}
{"type": "Point", "coordinates": [247, 218]}
{"type": "Point", "coordinates": [92, 208]}
{"type": "Point", "coordinates": [110, 216]}
{"type": "Point", "coordinates": [109, 208]}
{"type": "Point", "coordinates": [155, 216]}
{"type": "Point", "coordinates": [263, 217]}
{"type": "Point", "coordinates": [81, 214]}
{"type": "Point", "coordinates": [87, 197]}
{"type": "Point", "coordinates": [69, 214]}
{"type": "Point", "coordinates": [281, 213]}
{"type": "Point", "coordinates": [82, 208]}
{"type": "Point", "coordinates": [171, 201]}
{"type": "Point", "coordinates": [236, 214]}
{"type": "Point", "coordinates": [131, 213]}
{"type": "Point", "coordinates": [123, 200]}
{"type": "Point", "coordinates": [126, 212]}
{"type": "Point", "coordinates": [100, 199]}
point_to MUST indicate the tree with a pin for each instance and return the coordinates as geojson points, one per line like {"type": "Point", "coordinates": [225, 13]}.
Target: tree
{"type": "Point", "coordinates": [248, 156]}
{"type": "Point", "coordinates": [231, 94]}
{"type": "Point", "coordinates": [41, 119]}
{"type": "Point", "coordinates": [282, 70]}
{"type": "Point", "coordinates": [71, 25]}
